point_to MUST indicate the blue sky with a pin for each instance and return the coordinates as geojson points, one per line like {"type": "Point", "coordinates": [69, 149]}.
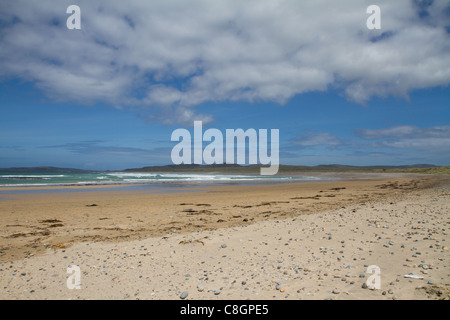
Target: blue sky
{"type": "Point", "coordinates": [109, 96]}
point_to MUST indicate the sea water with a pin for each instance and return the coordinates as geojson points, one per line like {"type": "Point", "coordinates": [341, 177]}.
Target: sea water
{"type": "Point", "coordinates": [158, 182]}
{"type": "Point", "coordinates": [107, 178]}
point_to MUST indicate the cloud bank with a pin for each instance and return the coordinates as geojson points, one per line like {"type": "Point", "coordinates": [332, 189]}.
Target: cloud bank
{"type": "Point", "coordinates": [164, 58]}
{"type": "Point", "coordinates": [433, 138]}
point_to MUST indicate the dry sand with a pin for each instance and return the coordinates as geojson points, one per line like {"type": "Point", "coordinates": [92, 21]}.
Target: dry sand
{"type": "Point", "coordinates": [291, 241]}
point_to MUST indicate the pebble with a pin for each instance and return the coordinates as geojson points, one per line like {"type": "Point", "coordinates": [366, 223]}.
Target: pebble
{"type": "Point", "coordinates": [200, 288]}
{"type": "Point", "coordinates": [224, 245]}
{"type": "Point", "coordinates": [217, 292]}
{"type": "Point", "coordinates": [336, 291]}
{"type": "Point", "coordinates": [184, 295]}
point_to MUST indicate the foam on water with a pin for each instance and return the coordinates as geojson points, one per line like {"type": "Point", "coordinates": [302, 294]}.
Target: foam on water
{"type": "Point", "coordinates": [113, 178]}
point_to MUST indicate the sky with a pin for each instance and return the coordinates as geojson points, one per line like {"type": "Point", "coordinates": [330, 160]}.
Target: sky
{"type": "Point", "coordinates": [109, 95]}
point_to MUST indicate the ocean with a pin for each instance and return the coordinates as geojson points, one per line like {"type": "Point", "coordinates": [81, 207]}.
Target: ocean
{"type": "Point", "coordinates": [11, 179]}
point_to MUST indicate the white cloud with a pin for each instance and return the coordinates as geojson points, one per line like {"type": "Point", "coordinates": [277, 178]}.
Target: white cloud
{"type": "Point", "coordinates": [405, 132]}
{"type": "Point", "coordinates": [433, 138]}
{"type": "Point", "coordinates": [178, 116]}
{"type": "Point", "coordinates": [175, 55]}
{"type": "Point", "coordinates": [399, 131]}
{"type": "Point", "coordinates": [317, 139]}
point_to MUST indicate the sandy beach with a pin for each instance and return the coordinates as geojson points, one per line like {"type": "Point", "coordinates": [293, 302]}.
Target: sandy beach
{"type": "Point", "coordinates": [310, 240]}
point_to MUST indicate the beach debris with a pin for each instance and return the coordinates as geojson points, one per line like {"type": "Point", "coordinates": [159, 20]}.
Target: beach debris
{"type": "Point", "coordinates": [92, 205]}
{"type": "Point", "coordinates": [50, 221]}
{"type": "Point", "coordinates": [191, 241]}
{"type": "Point", "coordinates": [56, 225]}
{"type": "Point", "coordinates": [412, 276]}
{"type": "Point", "coordinates": [199, 240]}
{"type": "Point", "coordinates": [59, 246]}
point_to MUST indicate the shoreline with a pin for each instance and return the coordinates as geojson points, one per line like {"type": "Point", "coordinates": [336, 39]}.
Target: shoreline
{"type": "Point", "coordinates": [321, 176]}
{"type": "Point", "coordinates": [316, 247]}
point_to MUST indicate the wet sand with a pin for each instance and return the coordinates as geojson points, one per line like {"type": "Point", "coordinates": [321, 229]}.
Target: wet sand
{"type": "Point", "coordinates": [315, 239]}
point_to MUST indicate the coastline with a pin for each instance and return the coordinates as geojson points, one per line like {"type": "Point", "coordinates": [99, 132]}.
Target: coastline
{"type": "Point", "coordinates": [321, 176]}
{"type": "Point", "coordinates": [39, 228]}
